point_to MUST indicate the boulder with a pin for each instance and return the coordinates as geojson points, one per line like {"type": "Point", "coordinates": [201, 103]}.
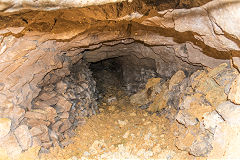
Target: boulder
{"type": "Point", "coordinates": [23, 136]}
{"type": "Point", "coordinates": [10, 144]}
{"type": "Point", "coordinates": [229, 112]}
{"type": "Point", "coordinates": [234, 94]}
{"type": "Point", "coordinates": [5, 126]}
{"type": "Point", "coordinates": [177, 78]}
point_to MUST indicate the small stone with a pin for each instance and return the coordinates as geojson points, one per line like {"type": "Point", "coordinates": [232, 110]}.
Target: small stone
{"type": "Point", "coordinates": [35, 115]}
{"type": "Point", "coordinates": [146, 123]}
{"type": "Point", "coordinates": [145, 114]}
{"type": "Point", "coordinates": [47, 95]}
{"type": "Point", "coordinates": [51, 101]}
{"type": "Point", "coordinates": [37, 122]}
{"type": "Point", "coordinates": [23, 136]}
{"type": "Point", "coordinates": [133, 114]}
{"type": "Point", "coordinates": [36, 142]}
{"type": "Point", "coordinates": [66, 142]}
{"type": "Point", "coordinates": [97, 146]}
{"type": "Point", "coordinates": [36, 131]}
{"type": "Point", "coordinates": [65, 126]}
{"type": "Point", "coordinates": [111, 108]}
{"type": "Point", "coordinates": [216, 96]}
{"type": "Point", "coordinates": [126, 134]}
{"type": "Point", "coordinates": [44, 137]}
{"type": "Point", "coordinates": [201, 146]}
{"type": "Point", "coordinates": [49, 111]}
{"type": "Point", "coordinates": [74, 158]}
{"type": "Point", "coordinates": [54, 138]}
{"type": "Point", "coordinates": [47, 145]}
{"type": "Point", "coordinates": [186, 119]}
{"type": "Point", "coordinates": [66, 105]}
{"type": "Point", "coordinates": [61, 87]}
{"type": "Point", "coordinates": [141, 152]}
{"type": "Point", "coordinates": [86, 154]}
{"type": "Point", "coordinates": [5, 126]}
{"type": "Point", "coordinates": [111, 99]}
{"type": "Point", "coordinates": [56, 126]}
{"type": "Point", "coordinates": [101, 110]}
{"type": "Point", "coordinates": [176, 79]}
{"type": "Point", "coordinates": [64, 115]}
{"type": "Point", "coordinates": [122, 123]}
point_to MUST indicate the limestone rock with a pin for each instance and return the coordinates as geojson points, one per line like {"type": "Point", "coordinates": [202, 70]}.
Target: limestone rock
{"type": "Point", "coordinates": [64, 104]}
{"type": "Point", "coordinates": [66, 142]}
{"type": "Point", "coordinates": [46, 96]}
{"type": "Point", "coordinates": [48, 111]}
{"type": "Point", "coordinates": [61, 87]}
{"type": "Point", "coordinates": [37, 122]}
{"type": "Point", "coordinates": [24, 137]}
{"type": "Point", "coordinates": [47, 145]}
{"type": "Point", "coordinates": [176, 79]}
{"type": "Point", "coordinates": [10, 145]}
{"type": "Point", "coordinates": [216, 96]}
{"type": "Point", "coordinates": [186, 119]}
{"type": "Point", "coordinates": [56, 126]}
{"type": "Point", "coordinates": [226, 142]}
{"type": "Point", "coordinates": [211, 121]}
{"type": "Point", "coordinates": [64, 115]}
{"type": "Point", "coordinates": [229, 112]}
{"type": "Point", "coordinates": [201, 145]}
{"type": "Point", "coordinates": [36, 131]}
{"type": "Point", "coordinates": [44, 137]}
{"type": "Point", "coordinates": [5, 126]}
{"type": "Point", "coordinates": [34, 114]}
{"type": "Point", "coordinates": [234, 94]}
{"type": "Point", "coordinates": [139, 98]}
{"type": "Point", "coordinates": [65, 126]}
{"type": "Point", "coordinates": [16, 114]}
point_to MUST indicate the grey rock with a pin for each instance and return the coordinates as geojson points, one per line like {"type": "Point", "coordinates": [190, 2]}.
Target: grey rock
{"type": "Point", "coordinates": [186, 119]}
{"type": "Point", "coordinates": [211, 120]}
{"type": "Point", "coordinates": [201, 146]}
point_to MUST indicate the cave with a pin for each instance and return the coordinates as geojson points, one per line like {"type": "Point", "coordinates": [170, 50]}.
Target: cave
{"type": "Point", "coordinates": [125, 79]}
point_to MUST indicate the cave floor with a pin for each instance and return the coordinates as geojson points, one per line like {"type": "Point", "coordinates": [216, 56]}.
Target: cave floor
{"type": "Point", "coordinates": [121, 131]}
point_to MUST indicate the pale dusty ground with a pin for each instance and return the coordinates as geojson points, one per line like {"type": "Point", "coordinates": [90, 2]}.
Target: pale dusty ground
{"type": "Point", "coordinates": [122, 131]}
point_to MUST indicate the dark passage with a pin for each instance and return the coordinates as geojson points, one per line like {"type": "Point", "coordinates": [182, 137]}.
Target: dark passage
{"type": "Point", "coordinates": [126, 74]}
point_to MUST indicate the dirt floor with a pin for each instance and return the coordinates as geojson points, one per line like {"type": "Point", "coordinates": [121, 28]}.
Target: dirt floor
{"type": "Point", "coordinates": [121, 131]}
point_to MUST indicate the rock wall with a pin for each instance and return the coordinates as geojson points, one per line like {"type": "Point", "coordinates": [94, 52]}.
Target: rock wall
{"type": "Point", "coordinates": [66, 97]}
{"type": "Point", "coordinates": [202, 104]}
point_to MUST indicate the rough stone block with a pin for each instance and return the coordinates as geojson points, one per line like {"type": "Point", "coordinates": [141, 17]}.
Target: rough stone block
{"type": "Point", "coordinates": [10, 144]}
{"type": "Point", "coordinates": [5, 126]}
{"type": "Point", "coordinates": [23, 136]}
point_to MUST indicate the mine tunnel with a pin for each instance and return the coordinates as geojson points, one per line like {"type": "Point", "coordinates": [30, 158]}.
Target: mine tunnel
{"type": "Point", "coordinates": [126, 79]}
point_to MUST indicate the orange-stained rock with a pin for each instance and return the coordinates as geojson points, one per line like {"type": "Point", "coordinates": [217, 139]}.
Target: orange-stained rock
{"type": "Point", "coordinates": [234, 94]}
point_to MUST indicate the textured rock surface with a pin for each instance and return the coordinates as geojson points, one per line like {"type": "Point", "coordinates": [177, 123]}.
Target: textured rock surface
{"type": "Point", "coordinates": [197, 102]}
{"type": "Point", "coordinates": [5, 125]}
{"type": "Point", "coordinates": [23, 136]}
{"type": "Point", "coordinates": [234, 94]}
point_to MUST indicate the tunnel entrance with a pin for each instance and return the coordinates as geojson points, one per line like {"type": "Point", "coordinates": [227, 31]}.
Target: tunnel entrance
{"type": "Point", "coordinates": [122, 94]}
{"type": "Point", "coordinates": [125, 75]}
